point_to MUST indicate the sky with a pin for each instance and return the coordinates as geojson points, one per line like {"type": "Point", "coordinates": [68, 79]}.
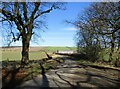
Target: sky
{"type": "Point", "coordinates": [59, 33]}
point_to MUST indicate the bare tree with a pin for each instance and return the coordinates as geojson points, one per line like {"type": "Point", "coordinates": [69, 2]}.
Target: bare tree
{"type": "Point", "coordinates": [99, 24]}
{"type": "Point", "coordinates": [25, 16]}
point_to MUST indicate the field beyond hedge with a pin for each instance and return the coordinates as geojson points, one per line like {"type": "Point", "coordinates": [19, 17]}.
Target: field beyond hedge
{"type": "Point", "coordinates": [14, 53]}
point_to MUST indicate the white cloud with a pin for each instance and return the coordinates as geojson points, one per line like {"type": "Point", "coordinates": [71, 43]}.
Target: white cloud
{"type": "Point", "coordinates": [70, 29]}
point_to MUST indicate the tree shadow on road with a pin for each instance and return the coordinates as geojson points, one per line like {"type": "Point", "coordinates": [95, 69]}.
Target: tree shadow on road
{"type": "Point", "coordinates": [14, 77]}
{"type": "Point", "coordinates": [91, 78]}
{"type": "Point", "coordinates": [95, 76]}
{"type": "Point", "coordinates": [45, 82]}
{"type": "Point", "coordinates": [89, 81]}
{"type": "Point", "coordinates": [40, 83]}
{"type": "Point", "coordinates": [82, 57]}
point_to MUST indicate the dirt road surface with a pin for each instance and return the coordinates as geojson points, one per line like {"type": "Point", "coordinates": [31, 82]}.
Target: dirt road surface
{"type": "Point", "coordinates": [75, 76]}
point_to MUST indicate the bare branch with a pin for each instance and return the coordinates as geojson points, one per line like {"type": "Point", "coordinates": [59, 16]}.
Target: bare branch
{"type": "Point", "coordinates": [3, 19]}
{"type": "Point", "coordinates": [37, 4]}
{"type": "Point", "coordinates": [31, 19]}
{"type": "Point", "coordinates": [25, 11]}
{"type": "Point", "coordinates": [7, 14]}
{"type": "Point", "coordinates": [47, 11]}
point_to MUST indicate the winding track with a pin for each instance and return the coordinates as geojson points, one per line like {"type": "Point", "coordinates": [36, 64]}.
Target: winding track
{"type": "Point", "coordinates": [70, 74]}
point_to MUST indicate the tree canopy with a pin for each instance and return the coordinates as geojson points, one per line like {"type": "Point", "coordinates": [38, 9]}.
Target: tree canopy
{"type": "Point", "coordinates": [99, 27]}
{"type": "Point", "coordinates": [25, 16]}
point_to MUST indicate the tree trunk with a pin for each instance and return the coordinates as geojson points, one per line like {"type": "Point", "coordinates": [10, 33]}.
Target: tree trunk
{"type": "Point", "coordinates": [112, 46]}
{"type": "Point", "coordinates": [117, 63]}
{"type": "Point", "coordinates": [25, 51]}
{"type": "Point", "coordinates": [119, 41]}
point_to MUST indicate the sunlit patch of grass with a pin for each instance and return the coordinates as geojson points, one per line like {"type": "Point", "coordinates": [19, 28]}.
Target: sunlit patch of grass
{"type": "Point", "coordinates": [8, 55]}
{"type": "Point", "coordinates": [104, 55]}
{"type": "Point", "coordinates": [37, 54]}
{"type": "Point", "coordinates": [54, 49]}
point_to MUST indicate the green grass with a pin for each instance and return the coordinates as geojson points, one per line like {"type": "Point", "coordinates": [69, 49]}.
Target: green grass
{"type": "Point", "coordinates": [104, 55]}
{"type": "Point", "coordinates": [11, 55]}
{"type": "Point", "coordinates": [54, 49]}
{"type": "Point", "coordinates": [34, 55]}
{"type": "Point", "coordinates": [37, 55]}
